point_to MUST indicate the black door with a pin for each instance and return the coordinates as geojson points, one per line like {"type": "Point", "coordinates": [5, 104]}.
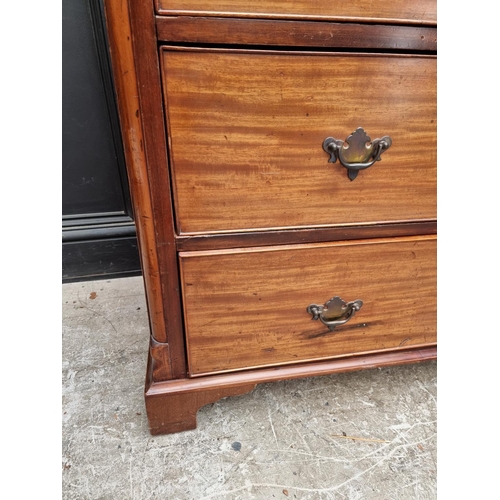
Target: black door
{"type": "Point", "coordinates": [98, 229]}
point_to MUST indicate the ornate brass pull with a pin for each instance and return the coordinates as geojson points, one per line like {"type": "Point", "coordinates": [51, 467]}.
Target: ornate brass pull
{"type": "Point", "coordinates": [359, 153]}
{"type": "Point", "coordinates": [335, 312]}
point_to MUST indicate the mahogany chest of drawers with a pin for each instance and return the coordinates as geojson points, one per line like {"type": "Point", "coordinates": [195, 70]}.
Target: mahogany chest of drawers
{"type": "Point", "coordinates": [282, 162]}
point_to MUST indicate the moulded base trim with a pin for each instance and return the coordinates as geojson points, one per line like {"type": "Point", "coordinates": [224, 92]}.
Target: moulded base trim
{"type": "Point", "coordinates": [172, 405]}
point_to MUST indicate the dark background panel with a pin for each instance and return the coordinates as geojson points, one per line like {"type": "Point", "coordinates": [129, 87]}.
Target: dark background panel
{"type": "Point", "coordinates": [96, 208]}
{"type": "Point", "coordinates": [91, 174]}
{"type": "Point", "coordinates": [107, 258]}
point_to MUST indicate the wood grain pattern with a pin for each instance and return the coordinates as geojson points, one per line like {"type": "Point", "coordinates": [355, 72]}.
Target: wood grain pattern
{"type": "Point", "coordinates": [161, 367]}
{"type": "Point", "coordinates": [172, 405]}
{"type": "Point", "coordinates": [176, 412]}
{"type": "Point", "coordinates": [154, 144]}
{"type": "Point", "coordinates": [246, 130]}
{"type": "Point", "coordinates": [297, 236]}
{"type": "Point", "coordinates": [246, 308]}
{"type": "Point", "coordinates": [294, 33]}
{"type": "Point", "coordinates": [396, 11]}
{"type": "Point", "coordinates": [124, 73]}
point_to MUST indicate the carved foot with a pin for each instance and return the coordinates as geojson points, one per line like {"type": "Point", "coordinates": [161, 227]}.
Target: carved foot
{"type": "Point", "coordinates": [170, 410]}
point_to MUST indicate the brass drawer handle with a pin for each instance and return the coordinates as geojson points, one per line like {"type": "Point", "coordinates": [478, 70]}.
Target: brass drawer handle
{"type": "Point", "coordinates": [335, 312]}
{"type": "Point", "coordinates": [359, 153]}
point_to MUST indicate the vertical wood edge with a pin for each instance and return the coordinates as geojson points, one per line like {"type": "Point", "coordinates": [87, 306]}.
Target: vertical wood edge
{"type": "Point", "coordinates": [124, 75]}
{"type": "Point", "coordinates": [145, 51]}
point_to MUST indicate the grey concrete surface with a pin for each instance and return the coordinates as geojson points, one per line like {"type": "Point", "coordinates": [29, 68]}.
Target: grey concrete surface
{"type": "Point", "coordinates": [363, 435]}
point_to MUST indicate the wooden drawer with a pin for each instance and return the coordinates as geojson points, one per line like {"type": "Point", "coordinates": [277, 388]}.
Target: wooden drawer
{"type": "Point", "coordinates": [396, 11]}
{"type": "Point", "coordinates": [246, 132]}
{"type": "Point", "coordinates": [246, 308]}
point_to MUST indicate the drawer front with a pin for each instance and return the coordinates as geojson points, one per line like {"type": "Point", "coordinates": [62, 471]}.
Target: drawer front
{"type": "Point", "coordinates": [416, 11]}
{"type": "Point", "coordinates": [246, 132]}
{"type": "Point", "coordinates": [247, 308]}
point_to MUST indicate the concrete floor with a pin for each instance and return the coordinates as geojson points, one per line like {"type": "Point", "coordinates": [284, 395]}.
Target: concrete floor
{"type": "Point", "coordinates": [285, 440]}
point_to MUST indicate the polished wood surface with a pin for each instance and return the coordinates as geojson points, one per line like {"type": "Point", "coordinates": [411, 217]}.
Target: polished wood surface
{"type": "Point", "coordinates": [246, 130]}
{"type": "Point", "coordinates": [264, 225]}
{"type": "Point", "coordinates": [296, 236]}
{"type": "Point", "coordinates": [176, 412]}
{"type": "Point", "coordinates": [246, 308]}
{"type": "Point", "coordinates": [150, 111]}
{"type": "Point", "coordinates": [294, 33]}
{"type": "Point", "coordinates": [172, 405]}
{"type": "Point", "coordinates": [396, 11]}
{"type": "Point", "coordinates": [125, 80]}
